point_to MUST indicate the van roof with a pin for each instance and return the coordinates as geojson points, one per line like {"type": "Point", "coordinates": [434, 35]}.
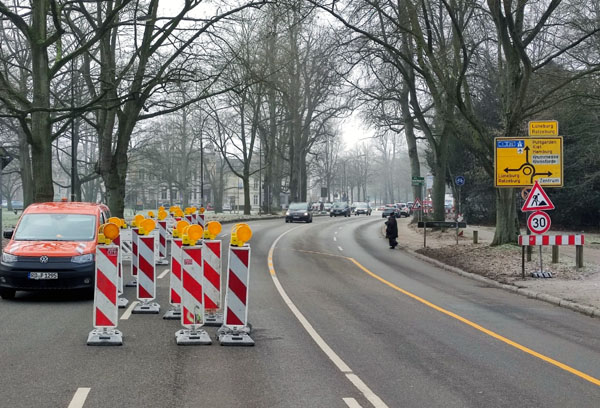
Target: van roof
{"type": "Point", "coordinates": [65, 207]}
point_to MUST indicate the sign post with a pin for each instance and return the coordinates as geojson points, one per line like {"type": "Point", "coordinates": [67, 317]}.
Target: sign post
{"type": "Point", "coordinates": [459, 181]}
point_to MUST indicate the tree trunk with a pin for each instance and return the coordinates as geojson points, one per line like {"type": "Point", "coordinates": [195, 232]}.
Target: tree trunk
{"type": "Point", "coordinates": [25, 167]}
{"type": "Point", "coordinates": [41, 151]}
{"type": "Point", "coordinates": [506, 217]}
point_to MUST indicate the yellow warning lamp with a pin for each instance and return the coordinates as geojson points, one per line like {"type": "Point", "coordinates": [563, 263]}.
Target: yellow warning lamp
{"type": "Point", "coordinates": [151, 214]}
{"type": "Point", "coordinates": [201, 210]}
{"type": "Point", "coordinates": [178, 213]}
{"type": "Point", "coordinates": [115, 220]}
{"type": "Point", "coordinates": [240, 234]}
{"type": "Point", "coordinates": [107, 233]}
{"type": "Point", "coordinates": [146, 226]}
{"type": "Point", "coordinates": [191, 234]}
{"type": "Point", "coordinates": [213, 228]}
{"type": "Point", "coordinates": [162, 214]}
{"type": "Point", "coordinates": [137, 220]}
{"type": "Point", "coordinates": [161, 208]}
{"type": "Point", "coordinates": [179, 227]}
{"type": "Point", "coordinates": [172, 209]}
{"type": "Point", "coordinates": [123, 223]}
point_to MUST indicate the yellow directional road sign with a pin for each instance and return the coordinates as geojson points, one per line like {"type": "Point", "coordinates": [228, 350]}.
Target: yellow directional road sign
{"type": "Point", "coordinates": [520, 161]}
{"type": "Point", "coordinates": [543, 128]}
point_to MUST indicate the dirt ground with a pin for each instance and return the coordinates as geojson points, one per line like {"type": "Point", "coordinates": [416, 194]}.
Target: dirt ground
{"type": "Point", "coordinates": [503, 263]}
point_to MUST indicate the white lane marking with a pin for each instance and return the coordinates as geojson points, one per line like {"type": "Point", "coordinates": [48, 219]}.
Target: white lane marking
{"type": "Point", "coordinates": [339, 363]}
{"type": "Point", "coordinates": [79, 397]}
{"type": "Point", "coordinates": [335, 238]}
{"type": "Point", "coordinates": [127, 314]}
{"type": "Point", "coordinates": [351, 402]}
{"type": "Point", "coordinates": [370, 395]}
{"type": "Point", "coordinates": [336, 233]}
{"type": "Point", "coordinates": [162, 275]}
{"type": "Point", "coordinates": [340, 248]}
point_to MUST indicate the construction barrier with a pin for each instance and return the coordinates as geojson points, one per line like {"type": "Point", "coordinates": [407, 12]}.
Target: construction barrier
{"type": "Point", "coordinates": [126, 244]}
{"type": "Point", "coordinates": [213, 280]}
{"type": "Point", "coordinates": [236, 330]}
{"type": "Point", "coordinates": [175, 274]}
{"type": "Point", "coordinates": [162, 243]}
{"type": "Point", "coordinates": [200, 218]}
{"type": "Point", "coordinates": [146, 280]}
{"type": "Point", "coordinates": [192, 306]}
{"type": "Point", "coordinates": [134, 258]}
{"type": "Point", "coordinates": [106, 310]}
{"type": "Point", "coordinates": [545, 240]}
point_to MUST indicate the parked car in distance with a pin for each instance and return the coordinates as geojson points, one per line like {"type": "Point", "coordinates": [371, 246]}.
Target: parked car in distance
{"type": "Point", "coordinates": [299, 212]}
{"type": "Point", "coordinates": [327, 207]}
{"type": "Point", "coordinates": [389, 210]}
{"type": "Point", "coordinates": [362, 208]}
{"type": "Point", "coordinates": [227, 207]}
{"type": "Point", "coordinates": [340, 208]}
{"type": "Point", "coordinates": [52, 247]}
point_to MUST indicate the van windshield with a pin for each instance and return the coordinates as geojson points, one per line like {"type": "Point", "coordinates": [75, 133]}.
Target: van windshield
{"type": "Point", "coordinates": [56, 227]}
{"type": "Point", "coordinates": [298, 206]}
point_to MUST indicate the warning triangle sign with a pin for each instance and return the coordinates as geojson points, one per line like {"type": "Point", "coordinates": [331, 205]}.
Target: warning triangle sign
{"type": "Point", "coordinates": [416, 204]}
{"type": "Point", "coordinates": [537, 199]}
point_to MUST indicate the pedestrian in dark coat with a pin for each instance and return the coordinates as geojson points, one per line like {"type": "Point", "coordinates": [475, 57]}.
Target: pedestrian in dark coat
{"type": "Point", "coordinates": [391, 231]}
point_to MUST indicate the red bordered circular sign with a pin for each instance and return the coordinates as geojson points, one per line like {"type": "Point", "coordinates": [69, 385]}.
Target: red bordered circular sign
{"type": "Point", "coordinates": [538, 222]}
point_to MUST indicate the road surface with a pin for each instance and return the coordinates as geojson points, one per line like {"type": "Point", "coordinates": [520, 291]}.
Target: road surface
{"type": "Point", "coordinates": [339, 320]}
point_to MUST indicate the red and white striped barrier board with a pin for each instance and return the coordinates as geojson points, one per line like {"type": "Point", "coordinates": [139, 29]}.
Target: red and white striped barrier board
{"type": "Point", "coordinates": [189, 218]}
{"type": "Point", "coordinates": [175, 280]}
{"type": "Point", "coordinates": [201, 220]}
{"type": "Point", "coordinates": [146, 289]}
{"type": "Point", "coordinates": [146, 280]}
{"type": "Point", "coordinates": [162, 243]}
{"type": "Point", "coordinates": [235, 330]}
{"type": "Point", "coordinates": [106, 311]}
{"type": "Point", "coordinates": [126, 244]}
{"type": "Point", "coordinates": [236, 298]}
{"type": "Point", "coordinates": [545, 240]}
{"type": "Point", "coordinates": [121, 301]}
{"type": "Point", "coordinates": [211, 259]}
{"type": "Point", "coordinates": [134, 256]}
{"type": "Point", "coordinates": [192, 307]}
{"type": "Point", "coordinates": [194, 218]}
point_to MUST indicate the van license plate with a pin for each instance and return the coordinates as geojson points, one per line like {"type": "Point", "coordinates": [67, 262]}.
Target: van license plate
{"type": "Point", "coordinates": [43, 275]}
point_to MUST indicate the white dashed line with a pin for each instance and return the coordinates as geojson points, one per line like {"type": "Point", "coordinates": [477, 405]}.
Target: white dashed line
{"type": "Point", "coordinates": [162, 275]}
{"type": "Point", "coordinates": [335, 238]}
{"type": "Point", "coordinates": [352, 403]}
{"type": "Point", "coordinates": [340, 248]}
{"type": "Point", "coordinates": [127, 312]}
{"type": "Point", "coordinates": [79, 397]}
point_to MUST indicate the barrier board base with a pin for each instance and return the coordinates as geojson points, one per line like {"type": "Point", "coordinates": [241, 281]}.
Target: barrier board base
{"type": "Point", "coordinates": [235, 337]}
{"type": "Point", "coordinates": [213, 319]}
{"type": "Point", "coordinates": [162, 262]}
{"type": "Point", "coordinates": [132, 284]}
{"type": "Point", "coordinates": [173, 314]}
{"type": "Point", "coordinates": [105, 337]}
{"type": "Point", "coordinates": [146, 308]}
{"type": "Point", "coordinates": [122, 302]}
{"type": "Point", "coordinates": [191, 337]}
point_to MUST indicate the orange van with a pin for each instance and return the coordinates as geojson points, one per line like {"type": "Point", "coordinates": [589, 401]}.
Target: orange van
{"type": "Point", "coordinates": [52, 247]}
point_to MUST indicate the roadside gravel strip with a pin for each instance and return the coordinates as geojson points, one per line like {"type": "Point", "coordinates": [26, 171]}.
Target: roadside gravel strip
{"type": "Point", "coordinates": [586, 310]}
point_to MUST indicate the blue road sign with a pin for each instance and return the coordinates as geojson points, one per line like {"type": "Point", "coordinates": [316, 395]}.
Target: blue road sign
{"type": "Point", "coordinates": [510, 144]}
{"type": "Point", "coordinates": [459, 180]}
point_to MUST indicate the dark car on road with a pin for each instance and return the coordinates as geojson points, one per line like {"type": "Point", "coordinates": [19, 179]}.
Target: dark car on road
{"type": "Point", "coordinates": [299, 212]}
{"type": "Point", "coordinates": [340, 208]}
{"type": "Point", "coordinates": [362, 208]}
{"type": "Point", "coordinates": [389, 210]}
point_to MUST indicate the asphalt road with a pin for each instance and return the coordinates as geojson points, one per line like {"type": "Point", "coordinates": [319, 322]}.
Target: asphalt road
{"type": "Point", "coordinates": [339, 320]}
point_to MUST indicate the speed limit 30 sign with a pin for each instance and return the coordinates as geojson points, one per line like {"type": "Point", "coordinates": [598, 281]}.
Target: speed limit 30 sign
{"type": "Point", "coordinates": [538, 222]}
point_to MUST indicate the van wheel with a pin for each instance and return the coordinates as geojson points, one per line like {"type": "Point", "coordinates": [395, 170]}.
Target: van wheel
{"type": "Point", "coordinates": [7, 294]}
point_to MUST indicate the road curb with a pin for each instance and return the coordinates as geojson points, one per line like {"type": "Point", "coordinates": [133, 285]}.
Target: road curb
{"type": "Point", "coordinates": [590, 311]}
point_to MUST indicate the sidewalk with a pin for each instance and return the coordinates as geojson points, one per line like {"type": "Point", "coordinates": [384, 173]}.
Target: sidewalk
{"type": "Point", "coordinates": [578, 289]}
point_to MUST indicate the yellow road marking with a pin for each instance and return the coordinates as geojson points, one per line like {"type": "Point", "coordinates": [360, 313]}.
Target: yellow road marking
{"type": "Point", "coordinates": [495, 335]}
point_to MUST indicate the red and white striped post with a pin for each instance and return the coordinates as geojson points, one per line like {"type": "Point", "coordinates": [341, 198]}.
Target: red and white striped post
{"type": "Point", "coordinates": [235, 329]}
{"type": "Point", "coordinates": [146, 282]}
{"type": "Point", "coordinates": [122, 301]}
{"type": "Point", "coordinates": [201, 220]}
{"type": "Point", "coordinates": [135, 232]}
{"type": "Point", "coordinates": [106, 310]}
{"type": "Point", "coordinates": [211, 263]}
{"type": "Point", "coordinates": [162, 243]}
{"type": "Point", "coordinates": [175, 280]}
{"type": "Point", "coordinates": [192, 307]}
